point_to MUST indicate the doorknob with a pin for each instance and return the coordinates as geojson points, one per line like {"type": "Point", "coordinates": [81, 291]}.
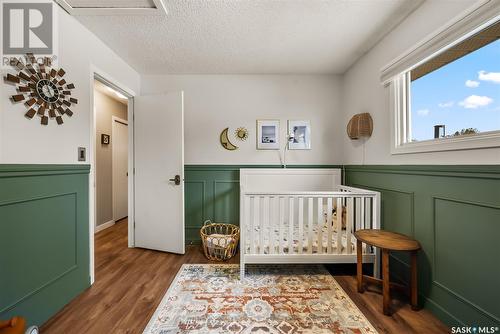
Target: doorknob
{"type": "Point", "coordinates": [176, 180]}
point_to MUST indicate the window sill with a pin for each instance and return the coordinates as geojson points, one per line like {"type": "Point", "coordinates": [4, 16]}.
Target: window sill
{"type": "Point", "coordinates": [480, 141]}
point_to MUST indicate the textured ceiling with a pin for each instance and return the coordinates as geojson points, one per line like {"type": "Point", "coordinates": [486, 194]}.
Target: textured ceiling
{"type": "Point", "coordinates": [250, 36]}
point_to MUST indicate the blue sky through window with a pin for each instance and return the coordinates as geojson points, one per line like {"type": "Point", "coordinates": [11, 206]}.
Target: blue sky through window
{"type": "Point", "coordinates": [463, 94]}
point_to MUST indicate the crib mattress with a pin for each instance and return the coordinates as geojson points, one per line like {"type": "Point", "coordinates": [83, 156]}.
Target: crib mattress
{"type": "Point", "coordinates": [317, 247]}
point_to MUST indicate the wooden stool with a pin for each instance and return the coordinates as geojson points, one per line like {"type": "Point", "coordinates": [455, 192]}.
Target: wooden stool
{"type": "Point", "coordinates": [16, 325]}
{"type": "Point", "coordinates": [388, 241]}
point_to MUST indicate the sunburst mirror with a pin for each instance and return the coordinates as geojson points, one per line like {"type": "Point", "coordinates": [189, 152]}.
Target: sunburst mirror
{"type": "Point", "coordinates": [241, 134]}
{"type": "Point", "coordinates": [42, 89]}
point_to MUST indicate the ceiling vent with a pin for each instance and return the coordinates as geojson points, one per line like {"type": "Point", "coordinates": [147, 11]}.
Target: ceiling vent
{"type": "Point", "coordinates": [113, 7]}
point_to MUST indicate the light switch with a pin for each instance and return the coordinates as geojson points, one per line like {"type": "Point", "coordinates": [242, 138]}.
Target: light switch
{"type": "Point", "coordinates": [81, 154]}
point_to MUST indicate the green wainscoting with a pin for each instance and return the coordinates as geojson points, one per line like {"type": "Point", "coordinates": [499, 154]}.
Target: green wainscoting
{"type": "Point", "coordinates": [454, 211]}
{"type": "Point", "coordinates": [213, 192]}
{"type": "Point", "coordinates": [44, 238]}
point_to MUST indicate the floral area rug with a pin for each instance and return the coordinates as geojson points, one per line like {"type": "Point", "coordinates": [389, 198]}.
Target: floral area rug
{"type": "Point", "coordinates": [208, 298]}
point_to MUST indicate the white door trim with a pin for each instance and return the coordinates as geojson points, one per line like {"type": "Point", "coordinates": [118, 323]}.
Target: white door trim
{"type": "Point", "coordinates": [125, 122]}
{"type": "Point", "coordinates": [98, 74]}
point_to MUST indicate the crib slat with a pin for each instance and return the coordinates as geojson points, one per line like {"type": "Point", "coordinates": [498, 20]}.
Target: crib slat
{"type": "Point", "coordinates": [329, 210]}
{"type": "Point", "coordinates": [271, 225]}
{"type": "Point", "coordinates": [349, 223]}
{"type": "Point", "coordinates": [320, 223]}
{"type": "Point", "coordinates": [362, 215]}
{"type": "Point", "coordinates": [301, 223]}
{"type": "Point", "coordinates": [358, 213]}
{"type": "Point", "coordinates": [368, 210]}
{"type": "Point", "coordinates": [281, 219]}
{"type": "Point", "coordinates": [290, 225]}
{"type": "Point", "coordinates": [256, 223]}
{"type": "Point", "coordinates": [253, 224]}
{"type": "Point", "coordinates": [310, 204]}
{"type": "Point", "coordinates": [246, 222]}
{"type": "Point", "coordinates": [340, 211]}
{"type": "Point", "coordinates": [262, 224]}
{"type": "Point", "coordinates": [375, 213]}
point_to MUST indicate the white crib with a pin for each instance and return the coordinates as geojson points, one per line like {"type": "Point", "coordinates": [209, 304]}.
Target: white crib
{"type": "Point", "coordinates": [293, 216]}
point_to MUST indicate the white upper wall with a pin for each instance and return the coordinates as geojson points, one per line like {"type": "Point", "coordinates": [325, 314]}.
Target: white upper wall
{"type": "Point", "coordinates": [27, 141]}
{"type": "Point", "coordinates": [214, 102]}
{"type": "Point", "coordinates": [363, 92]}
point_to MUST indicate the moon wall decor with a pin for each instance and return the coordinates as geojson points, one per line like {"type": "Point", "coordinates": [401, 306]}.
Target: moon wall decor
{"type": "Point", "coordinates": [42, 89]}
{"type": "Point", "coordinates": [224, 141]}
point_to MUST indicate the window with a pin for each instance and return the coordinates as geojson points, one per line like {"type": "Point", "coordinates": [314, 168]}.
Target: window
{"type": "Point", "coordinates": [458, 92]}
{"type": "Point", "coordinates": [445, 93]}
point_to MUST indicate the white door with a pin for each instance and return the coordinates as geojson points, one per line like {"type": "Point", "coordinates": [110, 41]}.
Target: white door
{"type": "Point", "coordinates": [159, 172]}
{"type": "Point", "coordinates": [119, 142]}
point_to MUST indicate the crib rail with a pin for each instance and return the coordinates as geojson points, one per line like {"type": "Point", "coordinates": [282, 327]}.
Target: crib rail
{"type": "Point", "coordinates": [305, 224]}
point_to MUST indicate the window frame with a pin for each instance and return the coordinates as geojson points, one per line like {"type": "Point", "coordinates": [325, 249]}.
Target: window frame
{"type": "Point", "coordinates": [401, 127]}
{"type": "Point", "coordinates": [396, 78]}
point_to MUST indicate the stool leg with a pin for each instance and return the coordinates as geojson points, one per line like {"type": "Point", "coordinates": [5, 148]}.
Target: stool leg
{"type": "Point", "coordinates": [414, 283]}
{"type": "Point", "coordinates": [359, 249]}
{"type": "Point", "coordinates": [386, 292]}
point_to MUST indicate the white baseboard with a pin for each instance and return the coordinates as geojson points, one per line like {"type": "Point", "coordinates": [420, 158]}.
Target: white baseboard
{"type": "Point", "coordinates": [104, 226]}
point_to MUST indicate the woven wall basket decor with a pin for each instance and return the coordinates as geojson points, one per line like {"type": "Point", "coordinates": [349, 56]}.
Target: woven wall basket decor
{"type": "Point", "coordinates": [360, 125]}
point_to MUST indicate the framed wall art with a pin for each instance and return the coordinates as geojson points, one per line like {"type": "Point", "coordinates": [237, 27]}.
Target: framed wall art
{"type": "Point", "coordinates": [105, 140]}
{"type": "Point", "coordinates": [268, 134]}
{"type": "Point", "coordinates": [300, 133]}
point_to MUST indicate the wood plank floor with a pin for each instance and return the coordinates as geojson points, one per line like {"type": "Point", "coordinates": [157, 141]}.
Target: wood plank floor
{"type": "Point", "coordinates": [130, 283]}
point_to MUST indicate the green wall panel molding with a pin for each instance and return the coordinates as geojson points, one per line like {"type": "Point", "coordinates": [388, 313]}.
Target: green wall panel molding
{"type": "Point", "coordinates": [9, 170]}
{"type": "Point", "coordinates": [44, 253]}
{"type": "Point", "coordinates": [471, 171]}
{"type": "Point", "coordinates": [454, 211]}
{"type": "Point", "coordinates": [238, 167]}
{"type": "Point", "coordinates": [208, 191]}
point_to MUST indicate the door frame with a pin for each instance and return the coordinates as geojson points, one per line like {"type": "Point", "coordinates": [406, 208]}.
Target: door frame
{"type": "Point", "coordinates": [97, 74]}
{"type": "Point", "coordinates": [124, 122]}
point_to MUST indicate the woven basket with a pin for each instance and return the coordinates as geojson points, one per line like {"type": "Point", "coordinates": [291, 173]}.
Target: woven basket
{"type": "Point", "coordinates": [360, 125]}
{"type": "Point", "coordinates": [219, 240]}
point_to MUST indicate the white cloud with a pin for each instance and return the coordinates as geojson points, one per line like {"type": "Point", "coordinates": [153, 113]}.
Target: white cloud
{"type": "Point", "coordinates": [475, 101]}
{"type": "Point", "coordinates": [489, 76]}
{"type": "Point", "coordinates": [448, 104]}
{"type": "Point", "coordinates": [423, 112]}
{"type": "Point", "coordinates": [472, 83]}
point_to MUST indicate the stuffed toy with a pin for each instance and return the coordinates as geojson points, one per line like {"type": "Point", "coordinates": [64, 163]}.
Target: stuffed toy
{"type": "Point", "coordinates": [335, 215]}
